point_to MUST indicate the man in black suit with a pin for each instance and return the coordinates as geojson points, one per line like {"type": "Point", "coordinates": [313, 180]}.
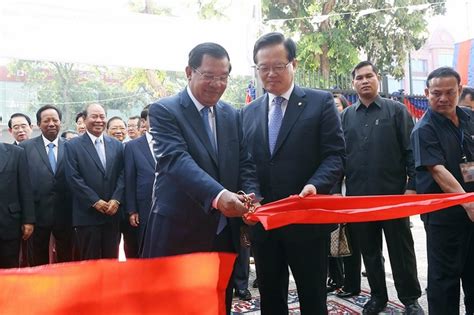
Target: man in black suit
{"type": "Point", "coordinates": [94, 169]}
{"type": "Point", "coordinates": [117, 129]}
{"type": "Point", "coordinates": [295, 138]}
{"type": "Point", "coordinates": [17, 214]}
{"type": "Point", "coordinates": [20, 128]}
{"type": "Point", "coordinates": [201, 162]}
{"type": "Point", "coordinates": [139, 177]}
{"type": "Point", "coordinates": [53, 204]}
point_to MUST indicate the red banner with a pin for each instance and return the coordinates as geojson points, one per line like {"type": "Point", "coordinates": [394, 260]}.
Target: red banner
{"type": "Point", "coordinates": [337, 209]}
{"type": "Point", "coordinates": [187, 284]}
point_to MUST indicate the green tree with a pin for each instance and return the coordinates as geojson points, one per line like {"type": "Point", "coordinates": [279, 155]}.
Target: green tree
{"type": "Point", "coordinates": [333, 33]}
{"type": "Point", "coordinates": [162, 83]}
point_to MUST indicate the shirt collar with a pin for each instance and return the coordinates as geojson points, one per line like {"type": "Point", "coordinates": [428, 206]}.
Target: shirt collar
{"type": "Point", "coordinates": [285, 95]}
{"type": "Point", "coordinates": [93, 138]}
{"type": "Point", "coordinates": [46, 141]}
{"type": "Point", "coordinates": [377, 101]}
{"type": "Point", "coordinates": [149, 137]}
{"type": "Point", "coordinates": [462, 115]}
{"type": "Point", "coordinates": [198, 105]}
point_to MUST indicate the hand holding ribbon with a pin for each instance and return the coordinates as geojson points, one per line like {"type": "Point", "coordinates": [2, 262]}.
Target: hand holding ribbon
{"type": "Point", "coordinates": [320, 209]}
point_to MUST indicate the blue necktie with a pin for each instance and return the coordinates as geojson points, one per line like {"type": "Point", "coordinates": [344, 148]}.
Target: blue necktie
{"type": "Point", "coordinates": [51, 157]}
{"type": "Point", "coordinates": [99, 147]}
{"type": "Point", "coordinates": [207, 126]}
{"type": "Point", "coordinates": [274, 122]}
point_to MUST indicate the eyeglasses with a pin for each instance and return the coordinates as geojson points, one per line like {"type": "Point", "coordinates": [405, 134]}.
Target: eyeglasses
{"type": "Point", "coordinates": [279, 68]}
{"type": "Point", "coordinates": [18, 127]}
{"type": "Point", "coordinates": [117, 128]}
{"type": "Point", "coordinates": [210, 78]}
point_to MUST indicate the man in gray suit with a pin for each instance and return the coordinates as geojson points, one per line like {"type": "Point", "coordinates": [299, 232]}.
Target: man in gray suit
{"type": "Point", "coordinates": [53, 205]}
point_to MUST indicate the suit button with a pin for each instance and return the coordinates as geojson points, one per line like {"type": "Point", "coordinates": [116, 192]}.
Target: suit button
{"type": "Point", "coordinates": [272, 163]}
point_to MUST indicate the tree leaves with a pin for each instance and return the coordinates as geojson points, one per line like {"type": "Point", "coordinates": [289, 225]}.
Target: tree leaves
{"type": "Point", "coordinates": [383, 31]}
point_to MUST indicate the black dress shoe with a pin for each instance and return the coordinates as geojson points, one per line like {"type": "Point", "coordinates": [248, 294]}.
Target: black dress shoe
{"type": "Point", "coordinates": [345, 294]}
{"type": "Point", "coordinates": [243, 295]}
{"type": "Point", "coordinates": [255, 283]}
{"type": "Point", "coordinates": [331, 287]}
{"type": "Point", "coordinates": [374, 306]}
{"type": "Point", "coordinates": [414, 309]}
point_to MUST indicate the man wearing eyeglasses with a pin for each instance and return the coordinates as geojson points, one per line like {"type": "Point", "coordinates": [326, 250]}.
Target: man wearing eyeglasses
{"type": "Point", "coordinates": [295, 137]}
{"type": "Point", "coordinates": [133, 127]}
{"type": "Point", "coordinates": [201, 162]}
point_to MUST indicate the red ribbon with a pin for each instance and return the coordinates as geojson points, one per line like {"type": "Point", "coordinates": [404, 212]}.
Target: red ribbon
{"type": "Point", "coordinates": [337, 209]}
{"type": "Point", "coordinates": [187, 284]}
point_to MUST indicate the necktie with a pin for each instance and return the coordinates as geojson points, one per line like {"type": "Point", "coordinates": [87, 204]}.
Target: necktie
{"type": "Point", "coordinates": [274, 122]}
{"type": "Point", "coordinates": [207, 126]}
{"type": "Point", "coordinates": [99, 147]}
{"type": "Point", "coordinates": [51, 157]}
{"type": "Point", "coordinates": [205, 119]}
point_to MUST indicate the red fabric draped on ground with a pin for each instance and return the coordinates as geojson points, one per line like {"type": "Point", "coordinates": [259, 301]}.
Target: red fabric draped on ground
{"type": "Point", "coordinates": [337, 209]}
{"type": "Point", "coordinates": [187, 284]}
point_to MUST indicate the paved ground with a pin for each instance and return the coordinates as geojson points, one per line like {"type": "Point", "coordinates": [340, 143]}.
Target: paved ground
{"type": "Point", "coordinates": [420, 249]}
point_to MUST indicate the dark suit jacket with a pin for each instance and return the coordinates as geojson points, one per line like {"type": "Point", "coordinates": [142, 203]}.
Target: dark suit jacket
{"type": "Point", "coordinates": [88, 180]}
{"type": "Point", "coordinates": [53, 203]}
{"type": "Point", "coordinates": [309, 150]}
{"type": "Point", "coordinates": [16, 199]}
{"type": "Point", "coordinates": [139, 178]}
{"type": "Point", "coordinates": [190, 175]}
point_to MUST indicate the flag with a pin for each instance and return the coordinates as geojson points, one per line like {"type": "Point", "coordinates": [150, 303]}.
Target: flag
{"type": "Point", "coordinates": [185, 284]}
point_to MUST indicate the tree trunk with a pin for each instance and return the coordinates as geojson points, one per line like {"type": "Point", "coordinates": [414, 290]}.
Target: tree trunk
{"type": "Point", "coordinates": [324, 27]}
{"type": "Point", "coordinates": [158, 88]}
{"type": "Point", "coordinates": [64, 71]}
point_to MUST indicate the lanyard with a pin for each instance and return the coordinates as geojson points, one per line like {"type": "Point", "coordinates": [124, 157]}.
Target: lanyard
{"type": "Point", "coordinates": [459, 132]}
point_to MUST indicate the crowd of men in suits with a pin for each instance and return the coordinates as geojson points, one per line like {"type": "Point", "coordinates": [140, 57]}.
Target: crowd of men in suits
{"type": "Point", "coordinates": [77, 218]}
{"type": "Point", "coordinates": [185, 184]}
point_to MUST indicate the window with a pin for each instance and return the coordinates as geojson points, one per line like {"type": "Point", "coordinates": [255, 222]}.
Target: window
{"type": "Point", "coordinates": [419, 86]}
{"type": "Point", "coordinates": [394, 85]}
{"type": "Point", "coordinates": [445, 60]}
{"type": "Point", "coordinates": [419, 65]}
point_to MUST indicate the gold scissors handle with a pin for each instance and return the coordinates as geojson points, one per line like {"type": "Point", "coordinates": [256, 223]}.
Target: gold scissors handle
{"type": "Point", "coordinates": [248, 201]}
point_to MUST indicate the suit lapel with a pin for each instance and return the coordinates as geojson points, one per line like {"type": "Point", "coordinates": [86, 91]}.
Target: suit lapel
{"type": "Point", "coordinates": [39, 145]}
{"type": "Point", "coordinates": [295, 107]}
{"type": "Point", "coordinates": [90, 148]}
{"type": "Point", "coordinates": [60, 152]}
{"type": "Point", "coordinates": [3, 156]}
{"type": "Point", "coordinates": [109, 156]}
{"type": "Point", "coordinates": [145, 148]}
{"type": "Point", "coordinates": [222, 126]}
{"type": "Point", "coordinates": [262, 128]}
{"type": "Point", "coordinates": [194, 118]}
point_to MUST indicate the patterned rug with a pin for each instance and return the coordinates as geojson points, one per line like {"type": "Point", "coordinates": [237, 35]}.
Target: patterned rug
{"type": "Point", "coordinates": [336, 306]}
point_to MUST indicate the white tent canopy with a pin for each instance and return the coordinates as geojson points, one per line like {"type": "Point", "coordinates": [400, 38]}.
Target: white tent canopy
{"type": "Point", "coordinates": [42, 30]}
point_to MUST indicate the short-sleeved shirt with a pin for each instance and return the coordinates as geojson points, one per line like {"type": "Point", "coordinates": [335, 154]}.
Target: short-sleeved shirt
{"type": "Point", "coordinates": [437, 141]}
{"type": "Point", "coordinates": [379, 157]}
